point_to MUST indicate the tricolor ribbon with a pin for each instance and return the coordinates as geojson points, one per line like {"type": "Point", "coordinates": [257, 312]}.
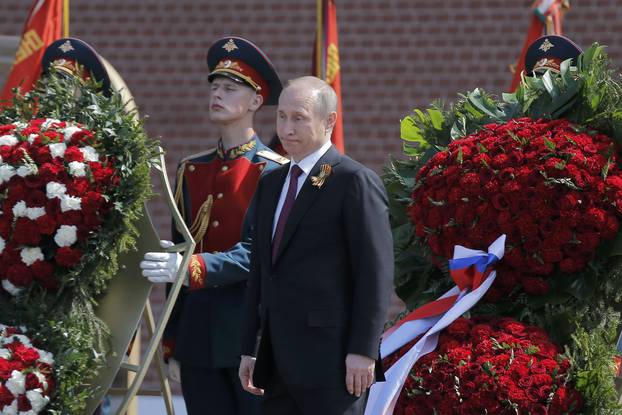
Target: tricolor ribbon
{"type": "Point", "coordinates": [473, 273]}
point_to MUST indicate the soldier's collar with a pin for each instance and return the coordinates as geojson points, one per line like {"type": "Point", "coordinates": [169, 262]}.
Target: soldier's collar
{"type": "Point", "coordinates": [235, 152]}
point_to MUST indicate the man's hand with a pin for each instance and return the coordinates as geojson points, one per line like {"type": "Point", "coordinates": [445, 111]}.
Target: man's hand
{"type": "Point", "coordinates": [161, 266]}
{"type": "Point", "coordinates": [174, 372]}
{"type": "Point", "coordinates": [359, 373]}
{"type": "Point", "coordinates": [247, 365]}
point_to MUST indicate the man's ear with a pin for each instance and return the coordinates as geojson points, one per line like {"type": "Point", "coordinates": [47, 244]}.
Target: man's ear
{"type": "Point", "coordinates": [331, 119]}
{"type": "Point", "coordinates": [256, 102]}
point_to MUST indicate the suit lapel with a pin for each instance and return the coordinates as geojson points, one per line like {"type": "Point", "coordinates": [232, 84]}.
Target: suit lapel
{"type": "Point", "coordinates": [307, 195]}
{"type": "Point", "coordinates": [273, 192]}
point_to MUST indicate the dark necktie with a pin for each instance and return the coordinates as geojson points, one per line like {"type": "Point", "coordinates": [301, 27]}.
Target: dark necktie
{"type": "Point", "coordinates": [290, 197]}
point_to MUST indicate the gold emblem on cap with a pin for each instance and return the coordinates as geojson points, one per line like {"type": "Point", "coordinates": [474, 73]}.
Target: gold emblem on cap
{"type": "Point", "coordinates": [546, 45]}
{"type": "Point", "coordinates": [230, 46]}
{"type": "Point", "coordinates": [228, 64]}
{"type": "Point", "coordinates": [66, 47]}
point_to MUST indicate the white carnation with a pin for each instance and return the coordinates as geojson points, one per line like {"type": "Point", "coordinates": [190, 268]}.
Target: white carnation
{"type": "Point", "coordinates": [77, 169]}
{"type": "Point", "coordinates": [46, 357]}
{"type": "Point", "coordinates": [31, 255]}
{"type": "Point", "coordinates": [49, 122]}
{"type": "Point", "coordinates": [37, 400]}
{"type": "Point", "coordinates": [5, 354]}
{"type": "Point", "coordinates": [6, 172]}
{"type": "Point", "coordinates": [70, 130]}
{"type": "Point", "coordinates": [32, 137]}
{"type": "Point", "coordinates": [19, 125]}
{"type": "Point", "coordinates": [20, 209]}
{"type": "Point", "coordinates": [66, 235]}
{"type": "Point", "coordinates": [89, 153]}
{"type": "Point", "coordinates": [2, 245]}
{"type": "Point", "coordinates": [17, 383]}
{"type": "Point", "coordinates": [55, 189]}
{"type": "Point", "coordinates": [70, 203]}
{"type": "Point", "coordinates": [20, 338]}
{"type": "Point", "coordinates": [8, 140]}
{"type": "Point", "coordinates": [10, 288]}
{"type": "Point", "coordinates": [23, 171]}
{"type": "Point", "coordinates": [10, 409]}
{"type": "Point", "coordinates": [58, 149]}
{"type": "Point", "coordinates": [35, 212]}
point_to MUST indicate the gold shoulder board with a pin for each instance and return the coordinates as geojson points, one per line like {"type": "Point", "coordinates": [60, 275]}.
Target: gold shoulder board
{"type": "Point", "coordinates": [272, 156]}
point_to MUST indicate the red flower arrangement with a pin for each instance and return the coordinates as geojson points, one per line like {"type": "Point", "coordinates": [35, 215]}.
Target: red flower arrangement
{"type": "Point", "coordinates": [553, 189]}
{"type": "Point", "coordinates": [488, 365]}
{"type": "Point", "coordinates": [53, 187]}
{"type": "Point", "coordinates": [26, 380]}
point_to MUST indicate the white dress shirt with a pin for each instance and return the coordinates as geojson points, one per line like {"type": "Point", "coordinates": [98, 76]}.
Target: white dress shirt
{"type": "Point", "coordinates": [306, 164]}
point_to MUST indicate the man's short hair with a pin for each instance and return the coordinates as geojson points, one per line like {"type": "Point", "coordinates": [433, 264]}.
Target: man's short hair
{"type": "Point", "coordinates": [325, 95]}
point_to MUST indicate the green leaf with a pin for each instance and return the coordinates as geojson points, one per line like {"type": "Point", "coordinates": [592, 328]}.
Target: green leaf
{"type": "Point", "coordinates": [437, 118]}
{"type": "Point", "coordinates": [549, 144]}
{"type": "Point", "coordinates": [605, 171]}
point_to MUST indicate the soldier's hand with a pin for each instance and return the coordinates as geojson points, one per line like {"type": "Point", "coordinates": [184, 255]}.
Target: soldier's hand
{"type": "Point", "coordinates": [359, 373]}
{"type": "Point", "coordinates": [161, 266]}
{"type": "Point", "coordinates": [247, 366]}
{"type": "Point", "coordinates": [174, 371]}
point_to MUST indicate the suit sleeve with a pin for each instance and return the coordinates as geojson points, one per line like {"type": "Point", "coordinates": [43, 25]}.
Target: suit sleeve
{"type": "Point", "coordinates": [252, 320]}
{"type": "Point", "coordinates": [370, 246]}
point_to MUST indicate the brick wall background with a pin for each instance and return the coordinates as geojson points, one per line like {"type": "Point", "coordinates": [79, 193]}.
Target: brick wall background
{"type": "Point", "coordinates": [395, 55]}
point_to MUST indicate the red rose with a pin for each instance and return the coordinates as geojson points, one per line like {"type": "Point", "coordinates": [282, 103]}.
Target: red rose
{"type": "Point", "coordinates": [26, 232]}
{"type": "Point", "coordinates": [32, 381]}
{"type": "Point", "coordinates": [535, 286]}
{"type": "Point", "coordinates": [46, 224]}
{"type": "Point", "coordinates": [19, 275]}
{"type": "Point", "coordinates": [73, 153]}
{"type": "Point", "coordinates": [81, 137]}
{"type": "Point", "coordinates": [42, 270]}
{"type": "Point", "coordinates": [6, 397]}
{"type": "Point", "coordinates": [26, 355]}
{"type": "Point", "coordinates": [460, 327]}
{"type": "Point", "coordinates": [67, 257]}
{"type": "Point", "coordinates": [51, 171]}
{"type": "Point", "coordinates": [23, 403]}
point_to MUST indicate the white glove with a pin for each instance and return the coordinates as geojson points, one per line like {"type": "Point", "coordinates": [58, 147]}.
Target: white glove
{"type": "Point", "coordinates": [174, 372]}
{"type": "Point", "coordinates": [161, 266]}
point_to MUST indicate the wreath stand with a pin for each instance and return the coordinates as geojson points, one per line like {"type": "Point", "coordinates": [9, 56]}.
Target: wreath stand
{"type": "Point", "coordinates": [127, 300]}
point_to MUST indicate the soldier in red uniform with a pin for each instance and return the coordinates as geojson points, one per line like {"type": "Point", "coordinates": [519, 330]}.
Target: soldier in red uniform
{"type": "Point", "coordinates": [213, 191]}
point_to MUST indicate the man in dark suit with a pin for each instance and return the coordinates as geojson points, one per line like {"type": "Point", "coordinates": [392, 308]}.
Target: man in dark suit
{"type": "Point", "coordinates": [321, 268]}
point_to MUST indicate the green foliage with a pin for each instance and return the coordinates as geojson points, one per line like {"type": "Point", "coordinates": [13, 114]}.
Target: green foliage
{"type": "Point", "coordinates": [592, 356]}
{"type": "Point", "coordinates": [65, 323]}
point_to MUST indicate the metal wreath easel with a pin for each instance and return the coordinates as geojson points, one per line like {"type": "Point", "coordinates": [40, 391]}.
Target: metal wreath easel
{"type": "Point", "coordinates": [126, 301]}
{"type": "Point", "coordinates": [155, 331]}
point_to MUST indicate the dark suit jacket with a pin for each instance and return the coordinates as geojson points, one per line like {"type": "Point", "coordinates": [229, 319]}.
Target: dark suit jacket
{"type": "Point", "coordinates": [328, 292]}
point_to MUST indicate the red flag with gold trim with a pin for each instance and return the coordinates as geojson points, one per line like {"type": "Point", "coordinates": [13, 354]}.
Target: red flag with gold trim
{"type": "Point", "coordinates": [546, 19]}
{"type": "Point", "coordinates": [326, 60]}
{"type": "Point", "coordinates": [43, 26]}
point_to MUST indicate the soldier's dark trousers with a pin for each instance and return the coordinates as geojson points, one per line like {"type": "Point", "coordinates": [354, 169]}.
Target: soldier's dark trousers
{"type": "Point", "coordinates": [216, 392]}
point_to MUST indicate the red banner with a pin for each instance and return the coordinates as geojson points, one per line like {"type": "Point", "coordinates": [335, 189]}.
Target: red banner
{"type": "Point", "coordinates": [546, 20]}
{"type": "Point", "coordinates": [326, 60]}
{"type": "Point", "coordinates": [43, 26]}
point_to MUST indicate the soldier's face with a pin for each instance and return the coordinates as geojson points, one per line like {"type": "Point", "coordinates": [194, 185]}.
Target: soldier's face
{"type": "Point", "coordinates": [230, 101]}
{"type": "Point", "coordinates": [299, 126]}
